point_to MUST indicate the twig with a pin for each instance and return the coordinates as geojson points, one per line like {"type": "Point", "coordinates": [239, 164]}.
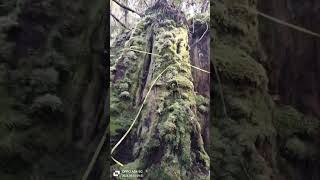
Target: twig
{"type": "Point", "coordinates": [95, 156]}
{"type": "Point", "coordinates": [279, 21]}
{"type": "Point", "coordinates": [245, 170]}
{"type": "Point", "coordinates": [115, 18]}
{"type": "Point", "coordinates": [141, 51]}
{"type": "Point", "coordinates": [146, 3]}
{"type": "Point", "coordinates": [221, 90]}
{"type": "Point", "coordinates": [126, 7]}
{"type": "Point", "coordinates": [201, 36]}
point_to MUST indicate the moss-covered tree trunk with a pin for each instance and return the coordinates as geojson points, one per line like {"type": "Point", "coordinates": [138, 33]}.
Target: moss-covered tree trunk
{"type": "Point", "coordinates": [52, 93]}
{"type": "Point", "coordinates": [166, 140]}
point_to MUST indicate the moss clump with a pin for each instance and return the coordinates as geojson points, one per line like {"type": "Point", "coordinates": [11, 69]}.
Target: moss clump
{"type": "Point", "coordinates": [47, 103]}
{"type": "Point", "coordinates": [200, 18]}
{"type": "Point", "coordinates": [131, 55]}
{"type": "Point", "coordinates": [235, 25]}
{"type": "Point", "coordinates": [124, 95]}
{"type": "Point", "coordinates": [181, 82]}
{"type": "Point", "coordinates": [289, 121]}
{"type": "Point", "coordinates": [44, 80]}
{"type": "Point", "coordinates": [203, 109]}
{"type": "Point", "coordinates": [236, 66]}
{"type": "Point", "coordinates": [296, 148]}
{"type": "Point", "coordinates": [163, 174]}
{"type": "Point", "coordinates": [202, 103]}
{"type": "Point", "coordinates": [123, 86]}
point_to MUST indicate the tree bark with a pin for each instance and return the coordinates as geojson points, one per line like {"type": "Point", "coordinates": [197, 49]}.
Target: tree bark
{"type": "Point", "coordinates": [166, 141]}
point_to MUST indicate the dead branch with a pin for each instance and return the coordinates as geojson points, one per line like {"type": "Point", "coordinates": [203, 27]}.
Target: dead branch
{"type": "Point", "coordinates": [201, 36]}
{"type": "Point", "coordinates": [126, 7]}
{"type": "Point", "coordinates": [115, 18]}
{"type": "Point", "coordinates": [146, 3]}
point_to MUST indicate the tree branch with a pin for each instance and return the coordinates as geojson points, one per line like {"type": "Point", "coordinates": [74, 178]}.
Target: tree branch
{"type": "Point", "coordinates": [115, 18]}
{"type": "Point", "coordinates": [125, 7]}
{"type": "Point", "coordinates": [201, 36]}
{"type": "Point", "coordinates": [146, 3]}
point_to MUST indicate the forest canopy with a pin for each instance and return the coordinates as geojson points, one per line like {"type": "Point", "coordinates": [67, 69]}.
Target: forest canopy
{"type": "Point", "coordinates": [123, 18]}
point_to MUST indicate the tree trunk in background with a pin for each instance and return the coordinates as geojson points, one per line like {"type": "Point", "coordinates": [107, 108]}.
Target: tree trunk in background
{"type": "Point", "coordinates": [294, 57]}
{"type": "Point", "coordinates": [52, 87]}
{"type": "Point", "coordinates": [293, 66]}
{"type": "Point", "coordinates": [166, 141]}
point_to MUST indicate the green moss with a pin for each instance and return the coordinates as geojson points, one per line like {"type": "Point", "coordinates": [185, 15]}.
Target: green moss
{"type": "Point", "coordinates": [163, 174]}
{"type": "Point", "coordinates": [289, 121]}
{"type": "Point", "coordinates": [115, 126]}
{"type": "Point", "coordinates": [205, 158]}
{"type": "Point", "coordinates": [47, 102]}
{"type": "Point", "coordinates": [201, 100]}
{"type": "Point", "coordinates": [174, 123]}
{"type": "Point", "coordinates": [186, 151]}
{"type": "Point", "coordinates": [44, 80]}
{"type": "Point", "coordinates": [131, 55]}
{"type": "Point", "coordinates": [123, 86]}
{"type": "Point", "coordinates": [296, 147]}
{"type": "Point", "coordinates": [202, 103]}
{"type": "Point", "coordinates": [124, 95]}
{"type": "Point", "coordinates": [200, 17]}
{"type": "Point", "coordinates": [203, 109]}
{"type": "Point", "coordinates": [236, 66]}
{"type": "Point", "coordinates": [181, 82]}
{"type": "Point", "coordinates": [166, 35]}
{"type": "Point", "coordinates": [169, 125]}
{"type": "Point", "coordinates": [189, 97]}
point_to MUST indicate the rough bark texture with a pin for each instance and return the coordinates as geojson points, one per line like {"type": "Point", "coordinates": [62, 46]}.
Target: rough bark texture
{"type": "Point", "coordinates": [52, 93]}
{"type": "Point", "coordinates": [293, 57]}
{"type": "Point", "coordinates": [261, 137]}
{"type": "Point", "coordinates": [166, 141]}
